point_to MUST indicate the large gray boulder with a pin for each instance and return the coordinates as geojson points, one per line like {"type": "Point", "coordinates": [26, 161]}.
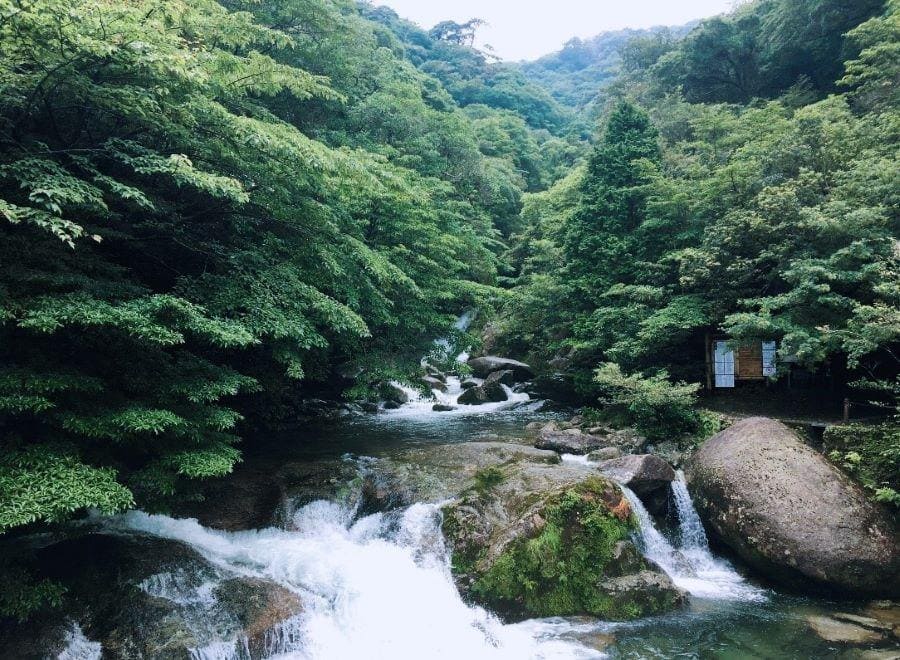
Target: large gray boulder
{"type": "Point", "coordinates": [647, 475]}
{"type": "Point", "coordinates": [505, 376]}
{"type": "Point", "coordinates": [791, 514]}
{"type": "Point", "coordinates": [484, 366]}
{"type": "Point", "coordinates": [435, 383]}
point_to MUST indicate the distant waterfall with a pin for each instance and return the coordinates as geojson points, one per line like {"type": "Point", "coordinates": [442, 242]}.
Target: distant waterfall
{"type": "Point", "coordinates": [418, 406]}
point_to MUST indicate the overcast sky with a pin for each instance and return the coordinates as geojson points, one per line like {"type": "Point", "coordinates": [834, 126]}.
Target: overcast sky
{"type": "Point", "coordinates": [527, 29]}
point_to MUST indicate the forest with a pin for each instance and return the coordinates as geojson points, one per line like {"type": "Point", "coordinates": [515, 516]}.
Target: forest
{"type": "Point", "coordinates": [214, 212]}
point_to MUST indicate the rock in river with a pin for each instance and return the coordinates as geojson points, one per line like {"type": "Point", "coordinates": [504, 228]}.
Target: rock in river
{"type": "Point", "coordinates": [551, 540]}
{"type": "Point", "coordinates": [568, 441]}
{"type": "Point", "coordinates": [647, 475]}
{"type": "Point", "coordinates": [146, 597]}
{"type": "Point", "coordinates": [484, 366]}
{"type": "Point", "coordinates": [488, 392]}
{"type": "Point", "coordinates": [791, 514]}
{"type": "Point", "coordinates": [434, 383]}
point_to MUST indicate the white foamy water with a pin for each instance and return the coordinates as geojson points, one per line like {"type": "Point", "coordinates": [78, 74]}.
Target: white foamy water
{"type": "Point", "coordinates": [79, 647]}
{"type": "Point", "coordinates": [379, 587]}
{"type": "Point", "coordinates": [419, 407]}
{"type": "Point", "coordinates": [691, 566]}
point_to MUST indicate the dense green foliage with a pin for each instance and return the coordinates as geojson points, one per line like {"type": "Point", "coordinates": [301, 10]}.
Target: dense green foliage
{"type": "Point", "coordinates": [771, 220]}
{"type": "Point", "coordinates": [655, 406]}
{"type": "Point", "coordinates": [763, 49]}
{"type": "Point", "coordinates": [871, 454]}
{"type": "Point", "coordinates": [208, 208]}
{"type": "Point", "coordinates": [577, 74]}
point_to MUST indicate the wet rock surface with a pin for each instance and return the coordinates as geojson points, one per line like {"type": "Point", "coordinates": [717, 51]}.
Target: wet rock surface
{"type": "Point", "coordinates": [147, 597]}
{"type": "Point", "coordinates": [560, 527]}
{"type": "Point", "coordinates": [568, 440]}
{"type": "Point", "coordinates": [484, 366]}
{"type": "Point", "coordinates": [647, 475]}
{"type": "Point", "coordinates": [790, 514]}
{"type": "Point", "coordinates": [486, 393]}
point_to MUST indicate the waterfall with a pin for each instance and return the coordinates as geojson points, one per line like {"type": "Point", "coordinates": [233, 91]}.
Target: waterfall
{"type": "Point", "coordinates": [419, 407]}
{"type": "Point", "coordinates": [79, 647]}
{"type": "Point", "coordinates": [691, 566]}
{"type": "Point", "coordinates": [693, 536]}
{"type": "Point", "coordinates": [373, 587]}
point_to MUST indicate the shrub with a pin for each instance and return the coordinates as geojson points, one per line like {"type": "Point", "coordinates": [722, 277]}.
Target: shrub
{"type": "Point", "coordinates": [653, 404]}
{"type": "Point", "coordinates": [870, 453]}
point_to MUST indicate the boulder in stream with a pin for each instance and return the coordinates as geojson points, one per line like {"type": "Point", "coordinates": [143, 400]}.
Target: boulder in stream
{"type": "Point", "coordinates": [486, 393]}
{"type": "Point", "coordinates": [538, 539]}
{"type": "Point", "coordinates": [605, 454]}
{"type": "Point", "coordinates": [647, 475]}
{"type": "Point", "coordinates": [142, 596]}
{"type": "Point", "coordinates": [484, 366]}
{"type": "Point", "coordinates": [568, 441]}
{"type": "Point", "coordinates": [434, 384]}
{"type": "Point", "coordinates": [791, 514]}
{"type": "Point", "coordinates": [505, 376]}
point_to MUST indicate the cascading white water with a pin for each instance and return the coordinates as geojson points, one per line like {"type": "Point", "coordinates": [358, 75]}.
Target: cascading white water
{"type": "Point", "coordinates": [79, 647]}
{"type": "Point", "coordinates": [693, 536]}
{"type": "Point", "coordinates": [691, 566]}
{"type": "Point", "coordinates": [379, 587]}
{"type": "Point", "coordinates": [418, 406]}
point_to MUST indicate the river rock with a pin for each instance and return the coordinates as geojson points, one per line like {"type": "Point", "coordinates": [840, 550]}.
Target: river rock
{"type": "Point", "coordinates": [143, 596]}
{"type": "Point", "coordinates": [442, 407]}
{"type": "Point", "coordinates": [627, 439]}
{"type": "Point", "coordinates": [262, 609]}
{"type": "Point", "coordinates": [537, 540]}
{"type": "Point", "coordinates": [433, 473]}
{"type": "Point", "coordinates": [647, 475]}
{"type": "Point", "coordinates": [469, 383]}
{"type": "Point", "coordinates": [486, 393]}
{"type": "Point", "coordinates": [434, 384]}
{"type": "Point", "coordinates": [394, 393]}
{"type": "Point", "coordinates": [791, 514]}
{"type": "Point", "coordinates": [434, 372]}
{"type": "Point", "coordinates": [568, 441]}
{"type": "Point", "coordinates": [483, 366]}
{"type": "Point", "coordinates": [504, 376]}
{"type": "Point", "coordinates": [831, 629]}
{"type": "Point", "coordinates": [604, 454]}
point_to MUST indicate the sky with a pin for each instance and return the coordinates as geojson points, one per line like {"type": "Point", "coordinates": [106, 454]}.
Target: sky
{"type": "Point", "coordinates": [527, 29]}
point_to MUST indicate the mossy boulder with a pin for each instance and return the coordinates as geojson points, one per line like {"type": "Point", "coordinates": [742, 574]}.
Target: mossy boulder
{"type": "Point", "coordinates": [560, 549]}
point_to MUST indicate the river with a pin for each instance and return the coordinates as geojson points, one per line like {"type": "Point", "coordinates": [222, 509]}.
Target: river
{"type": "Point", "coordinates": [379, 585]}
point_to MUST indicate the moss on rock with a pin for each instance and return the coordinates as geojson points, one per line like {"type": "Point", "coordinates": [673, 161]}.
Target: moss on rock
{"type": "Point", "coordinates": [554, 553]}
{"type": "Point", "coordinates": [556, 572]}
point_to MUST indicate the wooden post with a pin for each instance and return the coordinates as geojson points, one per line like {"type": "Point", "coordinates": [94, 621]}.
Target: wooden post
{"type": "Point", "coordinates": [846, 410]}
{"type": "Point", "coordinates": [708, 350]}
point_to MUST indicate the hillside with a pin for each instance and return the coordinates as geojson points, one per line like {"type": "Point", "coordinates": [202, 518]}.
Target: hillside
{"type": "Point", "coordinates": [577, 74]}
